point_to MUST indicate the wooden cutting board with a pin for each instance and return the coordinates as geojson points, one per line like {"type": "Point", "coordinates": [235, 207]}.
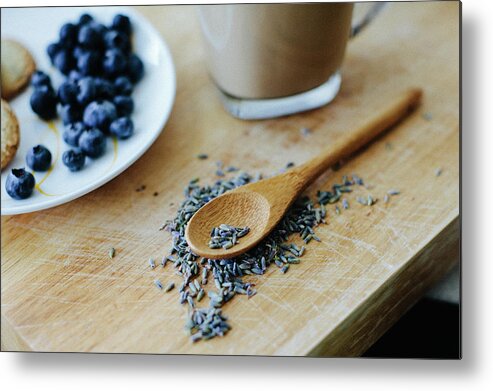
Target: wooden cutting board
{"type": "Point", "coordinates": [61, 291]}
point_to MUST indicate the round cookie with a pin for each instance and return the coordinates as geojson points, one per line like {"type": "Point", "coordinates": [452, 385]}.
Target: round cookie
{"type": "Point", "coordinates": [10, 133]}
{"type": "Point", "coordinates": [17, 68]}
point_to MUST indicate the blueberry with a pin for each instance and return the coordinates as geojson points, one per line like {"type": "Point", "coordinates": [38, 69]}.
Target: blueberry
{"type": "Point", "coordinates": [99, 27]}
{"type": "Point", "coordinates": [124, 105]}
{"type": "Point", "coordinates": [114, 62]}
{"type": "Point", "coordinates": [123, 86]}
{"type": "Point", "coordinates": [70, 114]}
{"type": "Point", "coordinates": [38, 158]}
{"type": "Point", "coordinates": [87, 90]}
{"type": "Point", "coordinates": [78, 51]}
{"type": "Point", "coordinates": [43, 102]}
{"type": "Point", "coordinates": [74, 75]}
{"type": "Point", "coordinates": [122, 128]}
{"type": "Point", "coordinates": [19, 184]}
{"type": "Point", "coordinates": [39, 79]}
{"type": "Point", "coordinates": [74, 159]}
{"type": "Point", "coordinates": [89, 37]}
{"type": "Point", "coordinates": [122, 23]}
{"type": "Point", "coordinates": [104, 88]}
{"type": "Point", "coordinates": [88, 63]}
{"type": "Point", "coordinates": [85, 19]}
{"type": "Point", "coordinates": [117, 39]}
{"type": "Point", "coordinates": [64, 61]}
{"type": "Point", "coordinates": [135, 68]}
{"type": "Point", "coordinates": [92, 142]}
{"type": "Point", "coordinates": [52, 50]}
{"type": "Point", "coordinates": [67, 93]}
{"type": "Point", "coordinates": [99, 114]}
{"type": "Point", "coordinates": [72, 133]}
{"type": "Point", "coordinates": [68, 35]}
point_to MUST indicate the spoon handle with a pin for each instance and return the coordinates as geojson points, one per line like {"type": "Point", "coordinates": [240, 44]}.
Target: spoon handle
{"type": "Point", "coordinates": [354, 140]}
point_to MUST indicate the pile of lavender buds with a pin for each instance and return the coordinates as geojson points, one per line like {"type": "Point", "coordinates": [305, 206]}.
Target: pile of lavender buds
{"type": "Point", "coordinates": [226, 236]}
{"type": "Point", "coordinates": [228, 274]}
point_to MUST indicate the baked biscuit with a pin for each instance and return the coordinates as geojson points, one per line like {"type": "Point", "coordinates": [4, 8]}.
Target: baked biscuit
{"type": "Point", "coordinates": [10, 133]}
{"type": "Point", "coordinates": [17, 68]}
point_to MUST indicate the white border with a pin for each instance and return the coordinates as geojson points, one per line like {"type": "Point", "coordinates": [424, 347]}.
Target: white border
{"type": "Point", "coordinates": [474, 372]}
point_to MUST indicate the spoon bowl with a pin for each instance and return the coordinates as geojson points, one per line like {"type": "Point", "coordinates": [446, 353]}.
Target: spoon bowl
{"type": "Point", "coordinates": [240, 208]}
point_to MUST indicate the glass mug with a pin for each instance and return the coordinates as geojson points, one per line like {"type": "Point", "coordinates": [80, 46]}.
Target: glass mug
{"type": "Point", "coordinates": [270, 60]}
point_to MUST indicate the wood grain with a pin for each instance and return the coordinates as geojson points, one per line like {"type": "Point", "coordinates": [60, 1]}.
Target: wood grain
{"type": "Point", "coordinates": [61, 292]}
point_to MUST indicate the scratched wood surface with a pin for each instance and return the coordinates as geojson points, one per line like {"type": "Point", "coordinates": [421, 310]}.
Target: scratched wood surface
{"type": "Point", "coordinates": [61, 292]}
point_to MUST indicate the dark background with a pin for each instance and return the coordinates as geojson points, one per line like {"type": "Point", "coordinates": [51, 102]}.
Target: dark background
{"type": "Point", "coordinates": [430, 329]}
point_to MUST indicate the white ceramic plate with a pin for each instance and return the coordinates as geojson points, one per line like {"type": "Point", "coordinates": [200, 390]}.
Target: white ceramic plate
{"type": "Point", "coordinates": [35, 28]}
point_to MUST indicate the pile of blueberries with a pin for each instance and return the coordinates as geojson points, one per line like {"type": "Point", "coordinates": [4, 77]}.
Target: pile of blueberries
{"type": "Point", "coordinates": [93, 102]}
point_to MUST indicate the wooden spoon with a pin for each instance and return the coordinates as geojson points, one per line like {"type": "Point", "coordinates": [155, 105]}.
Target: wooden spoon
{"type": "Point", "coordinates": [261, 205]}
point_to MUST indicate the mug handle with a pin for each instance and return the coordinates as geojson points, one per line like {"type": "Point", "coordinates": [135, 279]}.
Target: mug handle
{"type": "Point", "coordinates": [369, 16]}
